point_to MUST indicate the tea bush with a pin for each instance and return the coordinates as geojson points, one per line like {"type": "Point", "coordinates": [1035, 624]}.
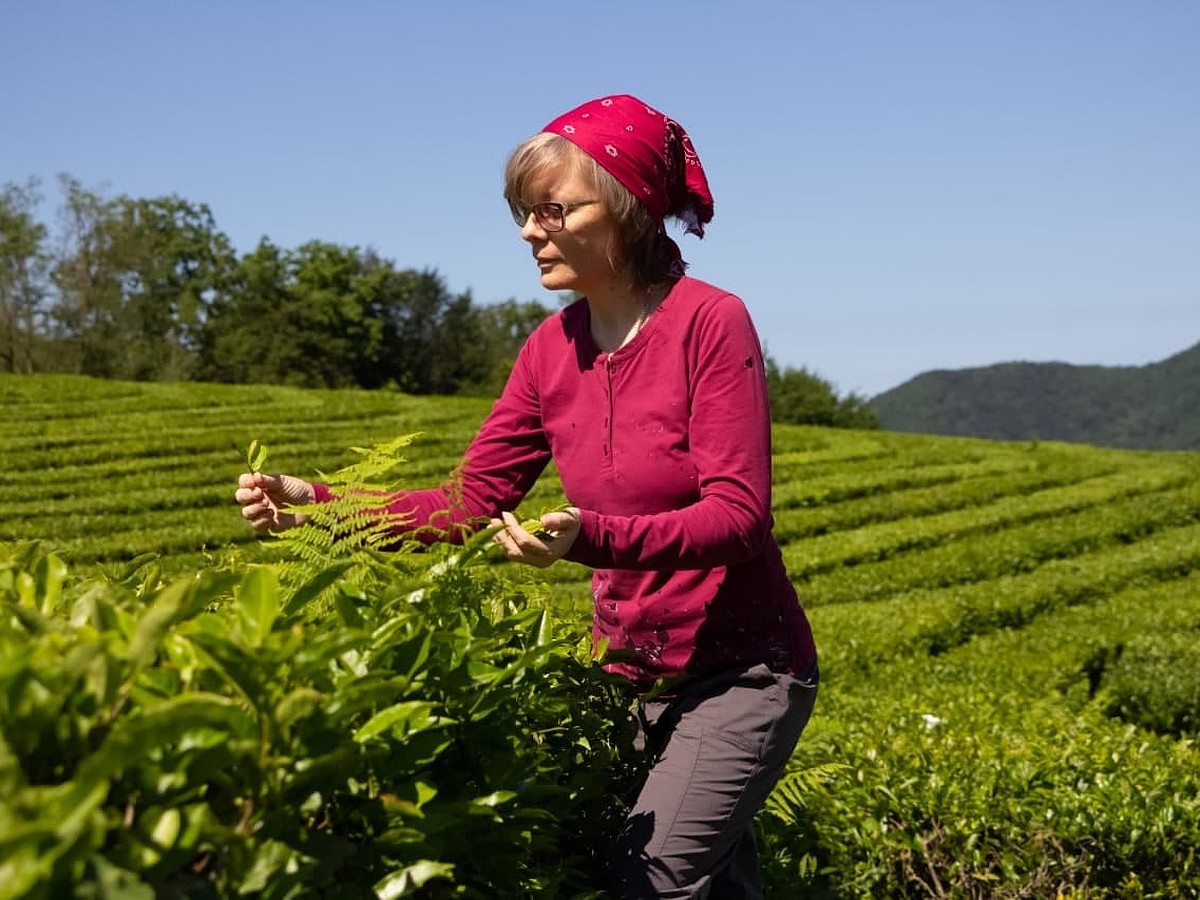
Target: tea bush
{"type": "Point", "coordinates": [1154, 681]}
{"type": "Point", "coordinates": [229, 734]}
{"type": "Point", "coordinates": [993, 770]}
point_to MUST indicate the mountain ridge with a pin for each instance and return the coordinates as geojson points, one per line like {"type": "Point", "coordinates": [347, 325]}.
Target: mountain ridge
{"type": "Point", "coordinates": [1155, 406]}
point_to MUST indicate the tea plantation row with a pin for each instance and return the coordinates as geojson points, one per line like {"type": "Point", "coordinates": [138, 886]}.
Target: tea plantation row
{"type": "Point", "coordinates": [1009, 632]}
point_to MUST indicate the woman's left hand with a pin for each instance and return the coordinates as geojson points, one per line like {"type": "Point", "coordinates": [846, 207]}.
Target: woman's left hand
{"type": "Point", "coordinates": [543, 548]}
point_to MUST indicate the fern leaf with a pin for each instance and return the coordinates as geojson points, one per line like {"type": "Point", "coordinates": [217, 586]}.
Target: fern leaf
{"type": "Point", "coordinates": [786, 801]}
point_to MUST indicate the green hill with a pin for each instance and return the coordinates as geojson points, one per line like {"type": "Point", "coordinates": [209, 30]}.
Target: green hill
{"type": "Point", "coordinates": [1007, 630]}
{"type": "Point", "coordinates": [1151, 407]}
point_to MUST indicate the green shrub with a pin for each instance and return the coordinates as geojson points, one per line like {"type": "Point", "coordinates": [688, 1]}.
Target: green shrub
{"type": "Point", "coordinates": [1155, 682]}
{"type": "Point", "coordinates": [228, 733]}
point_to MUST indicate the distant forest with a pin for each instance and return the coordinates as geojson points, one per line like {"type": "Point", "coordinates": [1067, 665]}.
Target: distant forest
{"type": "Point", "coordinates": [1151, 407]}
{"type": "Point", "coordinates": [150, 289]}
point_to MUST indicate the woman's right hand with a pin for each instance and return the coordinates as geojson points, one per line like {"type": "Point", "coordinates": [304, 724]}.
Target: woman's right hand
{"type": "Point", "coordinates": [263, 498]}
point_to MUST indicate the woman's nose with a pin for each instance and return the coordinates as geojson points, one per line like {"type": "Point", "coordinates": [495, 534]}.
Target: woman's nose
{"type": "Point", "coordinates": [532, 230]}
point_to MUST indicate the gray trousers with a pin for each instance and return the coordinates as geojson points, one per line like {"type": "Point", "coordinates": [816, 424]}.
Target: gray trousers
{"type": "Point", "coordinates": [719, 746]}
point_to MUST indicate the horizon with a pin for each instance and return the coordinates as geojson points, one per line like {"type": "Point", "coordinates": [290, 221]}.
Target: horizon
{"type": "Point", "coordinates": [898, 189]}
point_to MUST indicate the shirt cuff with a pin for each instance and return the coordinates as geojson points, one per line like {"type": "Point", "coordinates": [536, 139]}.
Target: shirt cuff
{"type": "Point", "coordinates": [583, 549]}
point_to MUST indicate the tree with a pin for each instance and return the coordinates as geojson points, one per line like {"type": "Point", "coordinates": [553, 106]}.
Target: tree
{"type": "Point", "coordinates": [337, 295]}
{"type": "Point", "coordinates": [88, 303]}
{"type": "Point", "coordinates": [800, 397]}
{"type": "Point", "coordinates": [503, 328]}
{"type": "Point", "coordinates": [247, 336]}
{"type": "Point", "coordinates": [171, 261]}
{"type": "Point", "coordinates": [331, 316]}
{"type": "Point", "coordinates": [24, 274]}
{"type": "Point", "coordinates": [135, 278]}
{"type": "Point", "coordinates": [425, 353]}
{"type": "Point", "coordinates": [460, 348]}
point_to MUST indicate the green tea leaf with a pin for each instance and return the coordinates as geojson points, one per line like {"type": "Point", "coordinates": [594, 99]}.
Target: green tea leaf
{"type": "Point", "coordinates": [538, 530]}
{"type": "Point", "coordinates": [299, 703]}
{"type": "Point", "coordinates": [258, 599]}
{"type": "Point", "coordinates": [273, 859]}
{"type": "Point", "coordinates": [113, 883]}
{"type": "Point", "coordinates": [170, 721]}
{"type": "Point", "coordinates": [256, 456]}
{"type": "Point", "coordinates": [410, 879]}
{"type": "Point", "coordinates": [315, 586]}
{"type": "Point", "coordinates": [156, 621]}
{"type": "Point", "coordinates": [407, 717]}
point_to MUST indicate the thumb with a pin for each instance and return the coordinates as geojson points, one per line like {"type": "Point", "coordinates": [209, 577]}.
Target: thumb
{"type": "Point", "coordinates": [561, 520]}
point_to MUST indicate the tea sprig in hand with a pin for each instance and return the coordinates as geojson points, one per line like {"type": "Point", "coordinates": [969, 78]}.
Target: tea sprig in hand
{"type": "Point", "coordinates": [256, 456]}
{"type": "Point", "coordinates": [537, 542]}
{"type": "Point", "coordinates": [538, 530]}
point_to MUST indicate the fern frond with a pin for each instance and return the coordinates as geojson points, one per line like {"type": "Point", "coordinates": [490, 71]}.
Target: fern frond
{"type": "Point", "coordinates": [371, 546]}
{"type": "Point", "coordinates": [786, 801]}
{"type": "Point", "coordinates": [353, 530]}
{"type": "Point", "coordinates": [376, 462]}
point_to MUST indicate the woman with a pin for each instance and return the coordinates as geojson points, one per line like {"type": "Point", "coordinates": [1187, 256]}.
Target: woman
{"type": "Point", "coordinates": [649, 394]}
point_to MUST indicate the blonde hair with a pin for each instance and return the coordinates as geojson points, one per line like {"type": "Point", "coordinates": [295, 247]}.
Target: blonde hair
{"type": "Point", "coordinates": [639, 248]}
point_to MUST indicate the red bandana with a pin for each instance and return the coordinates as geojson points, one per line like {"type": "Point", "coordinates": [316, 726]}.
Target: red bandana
{"type": "Point", "coordinates": [649, 153]}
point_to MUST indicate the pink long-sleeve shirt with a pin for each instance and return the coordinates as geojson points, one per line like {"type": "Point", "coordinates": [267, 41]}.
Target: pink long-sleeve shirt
{"type": "Point", "coordinates": [665, 447]}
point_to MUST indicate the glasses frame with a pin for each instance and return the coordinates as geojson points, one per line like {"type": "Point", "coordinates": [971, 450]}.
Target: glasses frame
{"type": "Point", "coordinates": [541, 213]}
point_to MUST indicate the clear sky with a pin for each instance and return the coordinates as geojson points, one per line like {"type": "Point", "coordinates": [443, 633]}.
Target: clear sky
{"type": "Point", "coordinates": [900, 185]}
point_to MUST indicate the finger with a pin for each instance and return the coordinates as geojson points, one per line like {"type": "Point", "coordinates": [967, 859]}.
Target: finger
{"type": "Point", "coordinates": [248, 495]}
{"type": "Point", "coordinates": [504, 540]}
{"type": "Point", "coordinates": [560, 522]}
{"type": "Point", "coordinates": [254, 512]}
{"type": "Point", "coordinates": [519, 532]}
{"type": "Point", "coordinates": [281, 523]}
{"type": "Point", "coordinates": [511, 533]}
{"type": "Point", "coordinates": [532, 548]}
{"type": "Point", "coordinates": [495, 526]}
{"type": "Point", "coordinates": [247, 480]}
{"type": "Point", "coordinates": [272, 484]}
{"type": "Point", "coordinates": [261, 523]}
{"type": "Point", "coordinates": [520, 536]}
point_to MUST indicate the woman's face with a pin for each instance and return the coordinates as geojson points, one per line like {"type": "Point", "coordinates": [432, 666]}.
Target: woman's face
{"type": "Point", "coordinates": [578, 257]}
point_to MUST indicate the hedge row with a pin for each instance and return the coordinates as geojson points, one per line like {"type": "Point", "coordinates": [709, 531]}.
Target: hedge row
{"type": "Point", "coordinates": [997, 770]}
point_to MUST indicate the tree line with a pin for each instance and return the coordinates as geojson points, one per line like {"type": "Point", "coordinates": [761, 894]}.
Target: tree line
{"type": "Point", "coordinates": [150, 289]}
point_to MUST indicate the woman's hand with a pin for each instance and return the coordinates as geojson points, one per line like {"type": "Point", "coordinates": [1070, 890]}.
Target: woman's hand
{"type": "Point", "coordinates": [263, 498]}
{"type": "Point", "coordinates": [543, 547]}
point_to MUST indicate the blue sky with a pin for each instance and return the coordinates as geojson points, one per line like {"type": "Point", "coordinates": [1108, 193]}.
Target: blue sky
{"type": "Point", "coordinates": [900, 186]}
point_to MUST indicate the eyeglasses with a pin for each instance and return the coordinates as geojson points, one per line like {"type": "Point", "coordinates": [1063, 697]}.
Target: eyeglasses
{"type": "Point", "coordinates": [550, 216]}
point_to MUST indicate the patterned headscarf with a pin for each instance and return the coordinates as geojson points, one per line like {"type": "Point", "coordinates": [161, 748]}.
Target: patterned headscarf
{"type": "Point", "coordinates": [647, 152]}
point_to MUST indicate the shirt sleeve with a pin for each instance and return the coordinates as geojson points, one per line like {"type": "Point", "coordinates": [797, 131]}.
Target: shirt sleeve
{"type": "Point", "coordinates": [729, 430]}
{"type": "Point", "coordinates": [501, 464]}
